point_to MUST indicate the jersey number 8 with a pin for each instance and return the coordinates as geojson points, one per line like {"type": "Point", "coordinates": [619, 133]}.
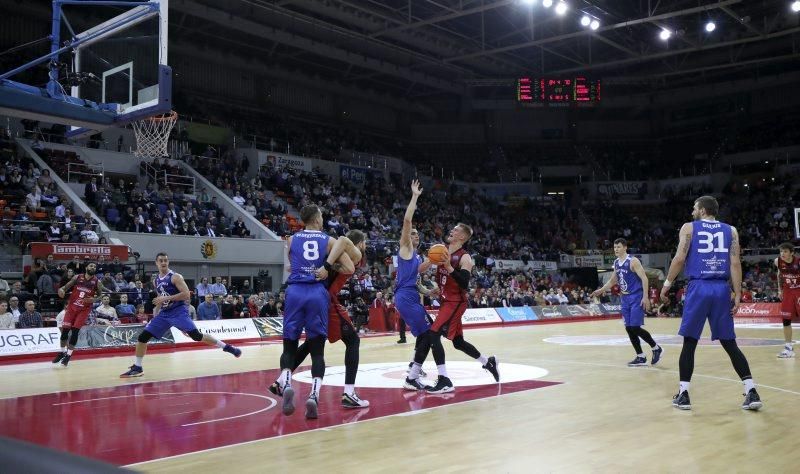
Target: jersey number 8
{"type": "Point", "coordinates": [310, 250]}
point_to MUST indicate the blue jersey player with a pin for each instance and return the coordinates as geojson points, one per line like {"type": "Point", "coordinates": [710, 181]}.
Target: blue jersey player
{"type": "Point", "coordinates": [311, 254]}
{"type": "Point", "coordinates": [633, 284]}
{"type": "Point", "coordinates": [171, 310]}
{"type": "Point", "coordinates": [710, 251]}
{"type": "Point", "coordinates": [408, 304]}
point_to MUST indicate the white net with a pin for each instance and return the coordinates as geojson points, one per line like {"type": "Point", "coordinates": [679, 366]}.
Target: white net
{"type": "Point", "coordinates": [152, 135]}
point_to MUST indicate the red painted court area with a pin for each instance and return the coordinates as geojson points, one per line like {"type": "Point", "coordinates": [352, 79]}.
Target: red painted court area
{"type": "Point", "coordinates": [146, 421]}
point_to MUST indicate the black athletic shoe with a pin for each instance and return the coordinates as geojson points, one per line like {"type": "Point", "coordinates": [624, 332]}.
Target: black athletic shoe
{"type": "Point", "coordinates": [311, 408]}
{"type": "Point", "coordinates": [657, 353]}
{"type": "Point", "coordinates": [415, 385]}
{"type": "Point", "coordinates": [135, 371]}
{"type": "Point", "coordinates": [58, 357]}
{"type": "Point", "coordinates": [65, 360]}
{"type": "Point", "coordinates": [232, 350]}
{"type": "Point", "coordinates": [491, 366]}
{"type": "Point", "coordinates": [638, 362]}
{"type": "Point", "coordinates": [288, 401]}
{"type": "Point", "coordinates": [402, 340]}
{"type": "Point", "coordinates": [681, 401]}
{"type": "Point", "coordinates": [352, 401]}
{"type": "Point", "coordinates": [275, 389]}
{"type": "Point", "coordinates": [752, 401]}
{"type": "Point", "coordinates": [443, 385]}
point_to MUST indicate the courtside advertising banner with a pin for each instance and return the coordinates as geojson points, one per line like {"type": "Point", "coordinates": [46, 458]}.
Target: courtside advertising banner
{"type": "Point", "coordinates": [116, 336]}
{"type": "Point", "coordinates": [480, 316]}
{"type": "Point", "coordinates": [221, 329]}
{"type": "Point", "coordinates": [68, 251]}
{"type": "Point", "coordinates": [29, 341]}
{"type": "Point", "coordinates": [759, 312]}
{"type": "Point", "coordinates": [268, 327]}
{"type": "Point", "coordinates": [523, 313]}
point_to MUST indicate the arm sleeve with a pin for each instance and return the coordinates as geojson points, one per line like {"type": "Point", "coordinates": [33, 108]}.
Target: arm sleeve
{"type": "Point", "coordinates": [461, 277]}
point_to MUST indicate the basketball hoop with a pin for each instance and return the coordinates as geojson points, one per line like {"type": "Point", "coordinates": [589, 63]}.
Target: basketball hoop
{"type": "Point", "coordinates": [152, 135]}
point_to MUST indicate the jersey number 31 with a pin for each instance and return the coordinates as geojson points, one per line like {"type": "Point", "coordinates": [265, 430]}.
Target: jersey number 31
{"type": "Point", "coordinates": [708, 241]}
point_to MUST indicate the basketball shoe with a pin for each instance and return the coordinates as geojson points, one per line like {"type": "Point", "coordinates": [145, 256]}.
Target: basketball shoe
{"type": "Point", "coordinates": [638, 362]}
{"type": "Point", "coordinates": [491, 366]}
{"type": "Point", "coordinates": [232, 350]}
{"type": "Point", "coordinates": [288, 400]}
{"type": "Point", "coordinates": [61, 355]}
{"type": "Point", "coordinates": [311, 407]}
{"type": "Point", "coordinates": [352, 401]}
{"type": "Point", "coordinates": [657, 353]}
{"type": "Point", "coordinates": [134, 371]}
{"type": "Point", "coordinates": [681, 401]}
{"type": "Point", "coordinates": [443, 385]}
{"type": "Point", "coordinates": [786, 353]}
{"type": "Point", "coordinates": [752, 401]}
{"type": "Point", "coordinates": [275, 389]}
{"type": "Point", "coordinates": [65, 359]}
{"type": "Point", "coordinates": [415, 385]}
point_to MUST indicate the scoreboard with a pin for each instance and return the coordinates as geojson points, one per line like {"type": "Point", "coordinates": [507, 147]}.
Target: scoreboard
{"type": "Point", "coordinates": [558, 90]}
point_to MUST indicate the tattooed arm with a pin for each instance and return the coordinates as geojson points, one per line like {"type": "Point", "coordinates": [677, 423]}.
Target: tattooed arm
{"type": "Point", "coordinates": [736, 270]}
{"type": "Point", "coordinates": [679, 260]}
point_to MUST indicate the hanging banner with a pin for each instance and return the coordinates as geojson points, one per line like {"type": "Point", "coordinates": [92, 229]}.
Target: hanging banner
{"type": "Point", "coordinates": [622, 188]}
{"type": "Point", "coordinates": [68, 251]}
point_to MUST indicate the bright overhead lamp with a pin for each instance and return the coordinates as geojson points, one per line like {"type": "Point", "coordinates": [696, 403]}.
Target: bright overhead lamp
{"type": "Point", "coordinates": [595, 24]}
{"type": "Point", "coordinates": [711, 26]}
{"type": "Point", "coordinates": [561, 8]}
{"type": "Point", "coordinates": [547, 3]}
{"type": "Point", "coordinates": [585, 20]}
{"type": "Point", "coordinates": [796, 6]}
{"type": "Point", "coordinates": [665, 34]}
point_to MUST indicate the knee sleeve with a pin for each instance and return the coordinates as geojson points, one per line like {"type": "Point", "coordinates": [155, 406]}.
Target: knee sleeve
{"type": "Point", "coordinates": [73, 336]}
{"type": "Point", "coordinates": [422, 347]}
{"type": "Point", "coordinates": [144, 337]}
{"type": "Point", "coordinates": [64, 334]}
{"type": "Point", "coordinates": [787, 322]}
{"type": "Point", "coordinates": [465, 347]}
{"type": "Point", "coordinates": [196, 335]}
{"type": "Point", "coordinates": [686, 360]}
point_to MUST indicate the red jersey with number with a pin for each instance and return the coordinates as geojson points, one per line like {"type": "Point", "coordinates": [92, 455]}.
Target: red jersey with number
{"type": "Point", "coordinates": [789, 273]}
{"type": "Point", "coordinates": [450, 289]}
{"type": "Point", "coordinates": [83, 289]}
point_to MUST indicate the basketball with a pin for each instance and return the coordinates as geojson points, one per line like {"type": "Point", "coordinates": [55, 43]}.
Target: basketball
{"type": "Point", "coordinates": [437, 254]}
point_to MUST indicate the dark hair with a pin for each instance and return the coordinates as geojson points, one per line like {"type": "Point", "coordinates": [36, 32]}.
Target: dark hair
{"type": "Point", "coordinates": [786, 246]}
{"type": "Point", "coordinates": [356, 236]}
{"type": "Point", "coordinates": [621, 241]}
{"type": "Point", "coordinates": [161, 254]}
{"type": "Point", "coordinates": [709, 204]}
{"type": "Point", "coordinates": [307, 213]}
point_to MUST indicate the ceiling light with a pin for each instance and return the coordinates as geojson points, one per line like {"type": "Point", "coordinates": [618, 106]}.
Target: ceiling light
{"type": "Point", "coordinates": [561, 8]}
{"type": "Point", "coordinates": [529, 2]}
{"type": "Point", "coordinates": [711, 26]}
{"type": "Point", "coordinates": [547, 3]}
{"type": "Point", "coordinates": [796, 6]}
{"type": "Point", "coordinates": [585, 20]}
{"type": "Point", "coordinates": [595, 24]}
{"type": "Point", "coordinates": [665, 34]}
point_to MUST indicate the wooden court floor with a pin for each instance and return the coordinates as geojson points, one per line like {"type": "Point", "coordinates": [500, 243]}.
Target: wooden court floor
{"type": "Point", "coordinates": [599, 416]}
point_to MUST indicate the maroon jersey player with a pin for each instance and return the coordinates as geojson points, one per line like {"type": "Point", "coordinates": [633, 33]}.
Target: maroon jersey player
{"type": "Point", "coordinates": [789, 289]}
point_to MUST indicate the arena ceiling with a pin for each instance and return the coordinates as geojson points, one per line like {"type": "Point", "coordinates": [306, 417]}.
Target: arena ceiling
{"type": "Point", "coordinates": [418, 48]}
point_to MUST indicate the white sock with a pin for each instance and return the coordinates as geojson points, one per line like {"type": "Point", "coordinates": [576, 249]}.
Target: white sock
{"type": "Point", "coordinates": [748, 384]}
{"type": "Point", "coordinates": [139, 361]}
{"type": "Point", "coordinates": [414, 373]}
{"type": "Point", "coordinates": [69, 352]}
{"type": "Point", "coordinates": [316, 385]}
{"type": "Point", "coordinates": [285, 379]}
{"type": "Point", "coordinates": [221, 344]}
{"type": "Point", "coordinates": [640, 355]}
{"type": "Point", "coordinates": [684, 386]}
{"type": "Point", "coordinates": [349, 389]}
{"type": "Point", "coordinates": [656, 347]}
{"type": "Point", "coordinates": [442, 370]}
{"type": "Point", "coordinates": [64, 350]}
{"type": "Point", "coordinates": [483, 360]}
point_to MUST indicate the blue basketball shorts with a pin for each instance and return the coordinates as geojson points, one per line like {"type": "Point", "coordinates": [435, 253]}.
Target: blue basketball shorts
{"type": "Point", "coordinates": [306, 308]}
{"type": "Point", "coordinates": [412, 311]}
{"type": "Point", "coordinates": [632, 311]}
{"type": "Point", "coordinates": [176, 317]}
{"type": "Point", "coordinates": [708, 299]}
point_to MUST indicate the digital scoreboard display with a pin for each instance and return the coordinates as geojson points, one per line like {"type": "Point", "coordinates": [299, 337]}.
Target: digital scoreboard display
{"type": "Point", "coordinates": [558, 90]}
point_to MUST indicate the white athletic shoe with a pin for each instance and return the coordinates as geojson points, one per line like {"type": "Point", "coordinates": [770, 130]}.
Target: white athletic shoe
{"type": "Point", "coordinates": [786, 354]}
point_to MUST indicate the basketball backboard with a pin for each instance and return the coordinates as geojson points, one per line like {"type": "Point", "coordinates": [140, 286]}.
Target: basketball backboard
{"type": "Point", "coordinates": [109, 70]}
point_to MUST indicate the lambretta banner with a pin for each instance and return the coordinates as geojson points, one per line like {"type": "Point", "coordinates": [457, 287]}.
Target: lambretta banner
{"type": "Point", "coordinates": [68, 251]}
